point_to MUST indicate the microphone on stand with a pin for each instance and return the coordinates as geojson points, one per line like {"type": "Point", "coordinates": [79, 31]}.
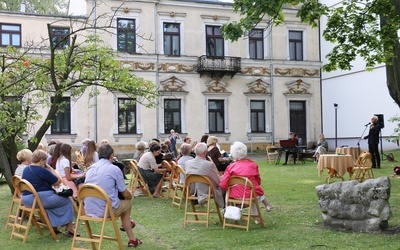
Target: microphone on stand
{"type": "Point", "coordinates": [367, 124]}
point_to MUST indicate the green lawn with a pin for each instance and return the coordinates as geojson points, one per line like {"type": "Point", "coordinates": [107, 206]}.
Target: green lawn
{"type": "Point", "coordinates": [294, 223]}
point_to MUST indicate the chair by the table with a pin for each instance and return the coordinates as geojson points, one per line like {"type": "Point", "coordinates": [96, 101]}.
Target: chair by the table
{"type": "Point", "coordinates": [204, 214]}
{"type": "Point", "coordinates": [21, 227]}
{"type": "Point", "coordinates": [13, 213]}
{"type": "Point", "coordinates": [137, 180]}
{"type": "Point", "coordinates": [247, 202]}
{"type": "Point", "coordinates": [272, 153]}
{"type": "Point", "coordinates": [363, 167]}
{"type": "Point", "coordinates": [95, 191]}
{"type": "Point", "coordinates": [178, 188]}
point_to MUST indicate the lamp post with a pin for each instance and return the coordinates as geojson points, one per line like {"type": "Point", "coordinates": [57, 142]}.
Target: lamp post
{"type": "Point", "coordinates": [336, 106]}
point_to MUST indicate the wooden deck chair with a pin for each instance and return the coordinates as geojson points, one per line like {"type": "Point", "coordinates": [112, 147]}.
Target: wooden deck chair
{"type": "Point", "coordinates": [93, 190]}
{"type": "Point", "coordinates": [247, 202]}
{"type": "Point", "coordinates": [272, 153]}
{"type": "Point", "coordinates": [168, 176]}
{"type": "Point", "coordinates": [71, 198]}
{"type": "Point", "coordinates": [199, 212]}
{"type": "Point", "coordinates": [178, 188]}
{"type": "Point", "coordinates": [137, 180]}
{"type": "Point", "coordinates": [21, 227]}
{"type": "Point", "coordinates": [363, 167]}
{"type": "Point", "coordinates": [13, 213]}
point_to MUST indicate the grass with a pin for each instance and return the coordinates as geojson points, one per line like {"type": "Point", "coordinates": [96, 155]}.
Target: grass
{"type": "Point", "coordinates": [294, 223]}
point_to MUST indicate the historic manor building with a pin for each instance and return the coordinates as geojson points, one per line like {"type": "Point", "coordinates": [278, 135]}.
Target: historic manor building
{"type": "Point", "coordinates": [255, 90]}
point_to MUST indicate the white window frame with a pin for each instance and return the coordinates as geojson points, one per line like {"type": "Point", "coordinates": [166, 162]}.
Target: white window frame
{"type": "Point", "coordinates": [267, 101]}
{"type": "Point", "coordinates": [177, 96]}
{"type": "Point", "coordinates": [213, 23]}
{"type": "Point", "coordinates": [302, 29]}
{"type": "Point", "coordinates": [265, 44]}
{"type": "Point", "coordinates": [132, 16]}
{"type": "Point", "coordinates": [181, 33]}
{"type": "Point", "coordinates": [138, 117]}
{"type": "Point", "coordinates": [225, 98]}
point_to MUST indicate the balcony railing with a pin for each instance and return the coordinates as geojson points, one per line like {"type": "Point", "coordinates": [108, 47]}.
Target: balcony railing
{"type": "Point", "coordinates": [218, 66]}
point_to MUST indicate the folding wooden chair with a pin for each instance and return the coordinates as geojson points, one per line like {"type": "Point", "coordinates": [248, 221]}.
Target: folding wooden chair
{"type": "Point", "coordinates": [21, 227]}
{"type": "Point", "coordinates": [178, 188]}
{"type": "Point", "coordinates": [272, 153]}
{"type": "Point", "coordinates": [137, 180]}
{"type": "Point", "coordinates": [168, 176]}
{"type": "Point", "coordinates": [13, 213]}
{"type": "Point", "coordinates": [247, 202]}
{"type": "Point", "coordinates": [95, 191]}
{"type": "Point", "coordinates": [363, 167]}
{"type": "Point", "coordinates": [191, 198]}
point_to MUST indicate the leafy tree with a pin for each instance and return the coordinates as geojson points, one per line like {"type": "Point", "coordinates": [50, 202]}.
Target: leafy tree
{"type": "Point", "coordinates": [36, 6]}
{"type": "Point", "coordinates": [29, 83]}
{"type": "Point", "coordinates": [365, 28]}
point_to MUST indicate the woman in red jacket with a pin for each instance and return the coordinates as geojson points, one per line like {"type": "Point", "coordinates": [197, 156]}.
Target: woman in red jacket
{"type": "Point", "coordinates": [244, 167]}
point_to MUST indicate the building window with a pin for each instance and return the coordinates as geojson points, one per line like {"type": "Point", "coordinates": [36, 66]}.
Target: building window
{"type": "Point", "coordinates": [256, 44]}
{"type": "Point", "coordinates": [126, 35]}
{"type": "Point", "coordinates": [57, 35]}
{"type": "Point", "coordinates": [257, 116]}
{"type": "Point", "coordinates": [62, 121]}
{"type": "Point", "coordinates": [296, 45]}
{"type": "Point", "coordinates": [172, 115]}
{"type": "Point", "coordinates": [10, 34]}
{"type": "Point", "coordinates": [172, 36]}
{"type": "Point", "coordinates": [214, 41]}
{"type": "Point", "coordinates": [216, 116]}
{"type": "Point", "coordinates": [126, 116]}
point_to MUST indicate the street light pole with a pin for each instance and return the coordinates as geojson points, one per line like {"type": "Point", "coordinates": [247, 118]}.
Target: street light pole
{"type": "Point", "coordinates": [336, 108]}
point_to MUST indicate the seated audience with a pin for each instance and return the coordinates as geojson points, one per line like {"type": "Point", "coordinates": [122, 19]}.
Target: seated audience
{"type": "Point", "coordinates": [213, 152]}
{"type": "Point", "coordinates": [72, 177]}
{"type": "Point", "coordinates": [185, 150]}
{"type": "Point", "coordinates": [150, 170]}
{"type": "Point", "coordinates": [24, 156]}
{"type": "Point", "coordinates": [110, 178]}
{"type": "Point", "coordinates": [91, 154]}
{"type": "Point", "coordinates": [59, 209]}
{"type": "Point", "coordinates": [84, 146]}
{"type": "Point", "coordinates": [322, 147]}
{"type": "Point", "coordinates": [204, 138]}
{"type": "Point", "coordinates": [140, 147]}
{"type": "Point", "coordinates": [200, 166]}
{"type": "Point", "coordinates": [244, 167]}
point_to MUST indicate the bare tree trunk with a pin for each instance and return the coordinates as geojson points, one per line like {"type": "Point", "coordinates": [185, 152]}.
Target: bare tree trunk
{"type": "Point", "coordinates": [393, 75]}
{"type": "Point", "coordinates": [5, 167]}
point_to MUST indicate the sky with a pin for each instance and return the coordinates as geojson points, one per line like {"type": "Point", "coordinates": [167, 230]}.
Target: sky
{"type": "Point", "coordinates": [77, 7]}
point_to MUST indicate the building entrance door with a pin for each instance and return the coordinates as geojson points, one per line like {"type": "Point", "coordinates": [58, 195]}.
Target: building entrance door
{"type": "Point", "coordinates": [298, 123]}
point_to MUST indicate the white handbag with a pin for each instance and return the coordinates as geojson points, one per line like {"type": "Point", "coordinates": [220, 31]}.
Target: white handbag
{"type": "Point", "coordinates": [233, 212]}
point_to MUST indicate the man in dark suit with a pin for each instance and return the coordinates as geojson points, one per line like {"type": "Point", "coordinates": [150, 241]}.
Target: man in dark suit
{"type": "Point", "coordinates": [373, 141]}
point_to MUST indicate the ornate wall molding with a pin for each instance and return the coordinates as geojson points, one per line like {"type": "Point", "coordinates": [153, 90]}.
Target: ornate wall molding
{"type": "Point", "coordinates": [173, 84]}
{"type": "Point", "coordinates": [126, 10]}
{"type": "Point", "coordinates": [172, 14]}
{"type": "Point", "coordinates": [177, 67]}
{"type": "Point", "coordinates": [298, 87]}
{"type": "Point", "coordinates": [296, 72]}
{"type": "Point", "coordinates": [258, 87]}
{"type": "Point", "coordinates": [257, 71]}
{"type": "Point", "coordinates": [216, 85]}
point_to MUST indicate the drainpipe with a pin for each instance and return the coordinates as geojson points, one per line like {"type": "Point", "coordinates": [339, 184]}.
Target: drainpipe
{"type": "Point", "coordinates": [95, 69]}
{"type": "Point", "coordinates": [271, 68]}
{"type": "Point", "coordinates": [156, 65]}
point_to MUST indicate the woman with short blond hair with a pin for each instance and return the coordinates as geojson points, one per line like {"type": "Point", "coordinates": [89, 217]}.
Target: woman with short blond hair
{"type": "Point", "coordinates": [24, 156]}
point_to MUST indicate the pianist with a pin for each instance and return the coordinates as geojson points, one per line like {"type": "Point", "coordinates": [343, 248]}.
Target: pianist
{"type": "Point", "coordinates": [291, 150]}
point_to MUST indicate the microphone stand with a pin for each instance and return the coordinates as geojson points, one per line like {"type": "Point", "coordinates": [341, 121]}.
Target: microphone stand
{"type": "Point", "coordinates": [362, 135]}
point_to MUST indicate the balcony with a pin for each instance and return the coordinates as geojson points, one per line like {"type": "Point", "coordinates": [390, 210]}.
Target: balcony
{"type": "Point", "coordinates": [218, 66]}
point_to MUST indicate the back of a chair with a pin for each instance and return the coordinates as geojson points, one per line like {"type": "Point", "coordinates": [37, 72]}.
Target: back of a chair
{"type": "Point", "coordinates": [271, 148]}
{"type": "Point", "coordinates": [95, 191]}
{"type": "Point", "coordinates": [239, 180]}
{"type": "Point", "coordinates": [180, 174]}
{"type": "Point", "coordinates": [15, 181]}
{"type": "Point", "coordinates": [193, 179]}
{"type": "Point", "coordinates": [365, 159]}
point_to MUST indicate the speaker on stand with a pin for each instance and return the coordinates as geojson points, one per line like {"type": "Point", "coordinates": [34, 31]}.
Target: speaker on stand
{"type": "Point", "coordinates": [381, 123]}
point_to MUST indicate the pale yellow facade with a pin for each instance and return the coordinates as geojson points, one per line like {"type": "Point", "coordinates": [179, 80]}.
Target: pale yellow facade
{"type": "Point", "coordinates": [276, 80]}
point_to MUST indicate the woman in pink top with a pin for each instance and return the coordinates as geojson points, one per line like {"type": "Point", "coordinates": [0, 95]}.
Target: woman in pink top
{"type": "Point", "coordinates": [244, 167]}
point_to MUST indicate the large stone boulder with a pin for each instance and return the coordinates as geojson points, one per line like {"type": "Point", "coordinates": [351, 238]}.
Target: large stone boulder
{"type": "Point", "coordinates": [354, 206]}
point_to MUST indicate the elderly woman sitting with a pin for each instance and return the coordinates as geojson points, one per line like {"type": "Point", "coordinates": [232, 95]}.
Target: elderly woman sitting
{"type": "Point", "coordinates": [244, 167]}
{"type": "Point", "coordinates": [140, 147]}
